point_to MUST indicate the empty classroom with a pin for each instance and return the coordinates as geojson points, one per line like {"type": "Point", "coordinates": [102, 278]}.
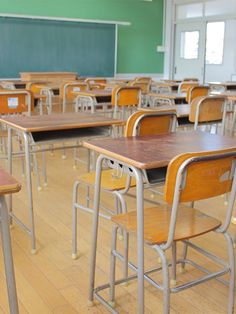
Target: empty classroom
{"type": "Point", "coordinates": [117, 156]}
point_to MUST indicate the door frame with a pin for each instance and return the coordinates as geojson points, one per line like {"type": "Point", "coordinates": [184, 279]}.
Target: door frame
{"type": "Point", "coordinates": [170, 26]}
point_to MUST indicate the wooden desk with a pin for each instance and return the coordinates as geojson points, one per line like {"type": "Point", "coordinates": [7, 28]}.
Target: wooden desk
{"type": "Point", "coordinates": [175, 98]}
{"type": "Point", "coordinates": [135, 154]}
{"type": "Point", "coordinates": [96, 97]}
{"type": "Point", "coordinates": [173, 86]}
{"type": "Point", "coordinates": [8, 185]}
{"type": "Point", "coordinates": [48, 76]}
{"type": "Point", "coordinates": [228, 86]}
{"type": "Point", "coordinates": [42, 130]}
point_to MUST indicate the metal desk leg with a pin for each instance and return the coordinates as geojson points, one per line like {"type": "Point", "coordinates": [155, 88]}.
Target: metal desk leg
{"type": "Point", "coordinates": [95, 228]}
{"type": "Point", "coordinates": [29, 191]}
{"type": "Point", "coordinates": [9, 158]}
{"type": "Point", "coordinates": [7, 253]}
{"type": "Point", "coordinates": [140, 240]}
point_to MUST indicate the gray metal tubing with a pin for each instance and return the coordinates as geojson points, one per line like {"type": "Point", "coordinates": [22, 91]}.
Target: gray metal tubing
{"type": "Point", "coordinates": [166, 281]}
{"type": "Point", "coordinates": [207, 254]}
{"type": "Point", "coordinates": [29, 189]}
{"type": "Point", "coordinates": [44, 170]}
{"type": "Point", "coordinates": [105, 303]}
{"type": "Point", "coordinates": [232, 272]}
{"type": "Point", "coordinates": [184, 253]}
{"type": "Point", "coordinates": [8, 260]}
{"type": "Point", "coordinates": [140, 237]}
{"type": "Point", "coordinates": [95, 227]}
{"type": "Point", "coordinates": [233, 121]}
{"type": "Point", "coordinates": [113, 265]}
{"type": "Point", "coordinates": [20, 223]}
{"type": "Point", "coordinates": [9, 157]}
{"type": "Point", "coordinates": [173, 268]}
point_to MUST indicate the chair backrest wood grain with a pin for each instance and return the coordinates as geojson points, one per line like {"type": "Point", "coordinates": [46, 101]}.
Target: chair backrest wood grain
{"type": "Point", "coordinates": [16, 102]}
{"type": "Point", "coordinates": [207, 174]}
{"type": "Point", "coordinates": [206, 109]}
{"type": "Point", "coordinates": [196, 91]}
{"type": "Point", "coordinates": [150, 122]}
{"type": "Point", "coordinates": [126, 96]}
{"type": "Point", "coordinates": [184, 86]}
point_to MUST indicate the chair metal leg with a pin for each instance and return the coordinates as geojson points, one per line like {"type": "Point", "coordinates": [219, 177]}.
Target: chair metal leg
{"type": "Point", "coordinates": [173, 277]}
{"type": "Point", "coordinates": [232, 273]}
{"type": "Point", "coordinates": [29, 191]}
{"type": "Point", "coordinates": [113, 267]}
{"type": "Point", "coordinates": [166, 281]}
{"type": "Point", "coordinates": [74, 221]}
{"type": "Point", "coordinates": [184, 255]}
{"type": "Point", "coordinates": [8, 260]}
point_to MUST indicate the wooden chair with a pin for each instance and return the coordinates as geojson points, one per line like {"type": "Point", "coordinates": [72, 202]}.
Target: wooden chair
{"type": "Point", "coordinates": [125, 100]}
{"type": "Point", "coordinates": [184, 86]}
{"type": "Point", "coordinates": [190, 177]}
{"type": "Point", "coordinates": [42, 96]}
{"type": "Point", "coordinates": [143, 79]}
{"type": "Point", "coordinates": [191, 79]}
{"type": "Point", "coordinates": [207, 110]}
{"type": "Point", "coordinates": [196, 91]}
{"type": "Point", "coordinates": [67, 92]}
{"type": "Point", "coordinates": [16, 102]}
{"type": "Point", "coordinates": [116, 182]}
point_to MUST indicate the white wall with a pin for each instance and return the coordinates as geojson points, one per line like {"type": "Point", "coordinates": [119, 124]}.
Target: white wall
{"type": "Point", "coordinates": [222, 72]}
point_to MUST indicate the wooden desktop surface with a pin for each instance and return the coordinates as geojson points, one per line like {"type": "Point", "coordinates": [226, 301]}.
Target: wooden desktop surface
{"type": "Point", "coordinates": [58, 121]}
{"type": "Point", "coordinates": [181, 110]}
{"type": "Point", "coordinates": [94, 93]}
{"type": "Point", "coordinates": [148, 152]}
{"type": "Point", "coordinates": [8, 184]}
{"type": "Point", "coordinates": [169, 95]}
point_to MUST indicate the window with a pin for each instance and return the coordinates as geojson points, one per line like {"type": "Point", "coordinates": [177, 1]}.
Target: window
{"type": "Point", "coordinates": [215, 42]}
{"type": "Point", "coordinates": [186, 11]}
{"type": "Point", "coordinates": [189, 44]}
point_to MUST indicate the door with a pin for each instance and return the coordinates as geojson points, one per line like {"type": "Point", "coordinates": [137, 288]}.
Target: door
{"type": "Point", "coordinates": [189, 51]}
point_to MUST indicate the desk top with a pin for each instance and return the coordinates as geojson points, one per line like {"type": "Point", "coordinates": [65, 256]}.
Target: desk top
{"type": "Point", "coordinates": [181, 110]}
{"type": "Point", "coordinates": [8, 184]}
{"type": "Point", "coordinates": [94, 93]}
{"type": "Point", "coordinates": [147, 152]}
{"type": "Point", "coordinates": [168, 95]}
{"type": "Point", "coordinates": [58, 121]}
{"type": "Point", "coordinates": [223, 83]}
{"type": "Point", "coordinates": [166, 84]}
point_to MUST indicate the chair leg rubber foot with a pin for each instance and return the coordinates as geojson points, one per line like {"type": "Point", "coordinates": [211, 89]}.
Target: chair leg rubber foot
{"type": "Point", "coordinates": [233, 220]}
{"type": "Point", "coordinates": [33, 251]}
{"type": "Point", "coordinates": [75, 167]}
{"type": "Point", "coordinates": [75, 256]}
{"type": "Point", "coordinates": [63, 157]}
{"type": "Point", "coordinates": [39, 188]}
{"type": "Point", "coordinates": [112, 304]}
{"type": "Point", "coordinates": [234, 245]}
{"type": "Point", "coordinates": [90, 303]}
{"type": "Point", "coordinates": [226, 203]}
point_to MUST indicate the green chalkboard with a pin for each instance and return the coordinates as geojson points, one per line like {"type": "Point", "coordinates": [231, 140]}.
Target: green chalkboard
{"type": "Point", "coordinates": [32, 45]}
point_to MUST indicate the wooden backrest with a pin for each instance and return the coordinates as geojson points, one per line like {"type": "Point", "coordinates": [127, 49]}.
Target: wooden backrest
{"type": "Point", "coordinates": [96, 80]}
{"type": "Point", "coordinates": [126, 96]}
{"type": "Point", "coordinates": [35, 87]}
{"type": "Point", "coordinates": [206, 109]}
{"type": "Point", "coordinates": [151, 122]}
{"type": "Point", "coordinates": [143, 79]}
{"type": "Point", "coordinates": [15, 102]}
{"type": "Point", "coordinates": [67, 89]}
{"type": "Point", "coordinates": [184, 86]}
{"type": "Point", "coordinates": [97, 86]}
{"type": "Point", "coordinates": [196, 91]}
{"type": "Point", "coordinates": [191, 79]}
{"type": "Point", "coordinates": [144, 86]}
{"type": "Point", "coordinates": [207, 174]}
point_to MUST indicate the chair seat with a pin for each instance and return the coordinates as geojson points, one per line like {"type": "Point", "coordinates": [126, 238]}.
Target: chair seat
{"type": "Point", "coordinates": [109, 181]}
{"type": "Point", "coordinates": [190, 223]}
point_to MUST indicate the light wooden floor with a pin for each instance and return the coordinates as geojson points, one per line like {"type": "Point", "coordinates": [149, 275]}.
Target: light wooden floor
{"type": "Point", "coordinates": [51, 282]}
